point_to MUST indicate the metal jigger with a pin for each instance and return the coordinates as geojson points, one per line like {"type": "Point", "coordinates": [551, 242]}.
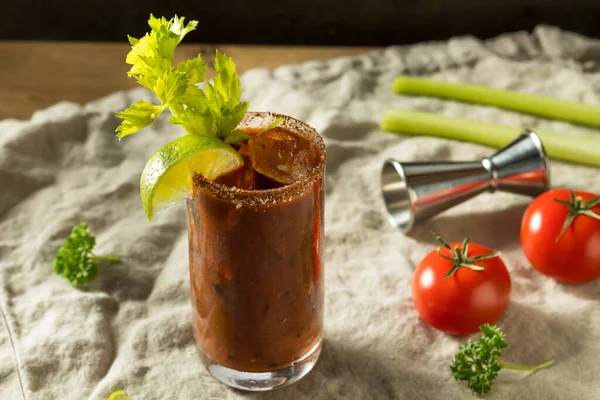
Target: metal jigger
{"type": "Point", "coordinates": [413, 192]}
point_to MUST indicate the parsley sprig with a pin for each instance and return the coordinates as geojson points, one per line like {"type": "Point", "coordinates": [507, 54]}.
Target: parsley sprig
{"type": "Point", "coordinates": [75, 260]}
{"type": "Point", "coordinates": [478, 363]}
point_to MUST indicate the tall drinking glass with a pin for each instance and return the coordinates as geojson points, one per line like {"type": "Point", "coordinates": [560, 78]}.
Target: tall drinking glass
{"type": "Point", "coordinates": [256, 272]}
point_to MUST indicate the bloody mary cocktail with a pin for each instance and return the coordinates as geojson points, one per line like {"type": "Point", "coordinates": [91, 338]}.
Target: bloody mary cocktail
{"type": "Point", "coordinates": [253, 185]}
{"type": "Point", "coordinates": [255, 257]}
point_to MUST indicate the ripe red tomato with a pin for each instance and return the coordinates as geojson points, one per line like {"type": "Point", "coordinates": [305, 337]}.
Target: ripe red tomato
{"type": "Point", "coordinates": [575, 256]}
{"type": "Point", "coordinates": [462, 302]}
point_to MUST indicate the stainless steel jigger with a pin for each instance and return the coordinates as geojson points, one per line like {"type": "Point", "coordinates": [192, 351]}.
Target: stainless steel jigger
{"type": "Point", "coordinates": [413, 192]}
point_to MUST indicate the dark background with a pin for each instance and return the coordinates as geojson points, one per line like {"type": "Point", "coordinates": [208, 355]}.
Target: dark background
{"type": "Point", "coordinates": [306, 22]}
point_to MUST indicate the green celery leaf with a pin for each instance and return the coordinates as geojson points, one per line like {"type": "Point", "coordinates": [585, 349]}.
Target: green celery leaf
{"type": "Point", "coordinates": [155, 51]}
{"type": "Point", "coordinates": [195, 68]}
{"type": "Point", "coordinates": [227, 83]}
{"type": "Point", "coordinates": [170, 86]}
{"type": "Point", "coordinates": [215, 111]}
{"type": "Point", "coordinates": [156, 24]}
{"type": "Point", "coordinates": [230, 119]}
{"type": "Point", "coordinates": [165, 40]}
{"type": "Point", "coordinates": [195, 122]}
{"type": "Point", "coordinates": [194, 98]}
{"type": "Point", "coordinates": [275, 123]}
{"type": "Point", "coordinates": [136, 117]}
{"type": "Point", "coordinates": [180, 29]}
{"type": "Point", "coordinates": [236, 136]}
{"type": "Point", "coordinates": [133, 41]}
{"type": "Point", "coordinates": [223, 96]}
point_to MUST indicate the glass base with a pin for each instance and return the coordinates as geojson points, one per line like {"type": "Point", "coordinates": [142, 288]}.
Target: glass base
{"type": "Point", "coordinates": [263, 381]}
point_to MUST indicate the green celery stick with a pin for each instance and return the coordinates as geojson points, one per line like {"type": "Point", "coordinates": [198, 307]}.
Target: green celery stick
{"type": "Point", "coordinates": [584, 114]}
{"type": "Point", "coordinates": [576, 149]}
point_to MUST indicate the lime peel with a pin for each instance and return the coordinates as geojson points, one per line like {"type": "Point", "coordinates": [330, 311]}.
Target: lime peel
{"type": "Point", "coordinates": [118, 395]}
{"type": "Point", "coordinates": [167, 177]}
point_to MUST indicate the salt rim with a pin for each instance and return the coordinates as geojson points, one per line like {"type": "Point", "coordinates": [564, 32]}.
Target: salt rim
{"type": "Point", "coordinates": [244, 197]}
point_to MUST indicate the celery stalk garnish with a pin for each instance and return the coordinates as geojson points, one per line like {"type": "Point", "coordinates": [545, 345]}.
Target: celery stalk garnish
{"type": "Point", "coordinates": [215, 111]}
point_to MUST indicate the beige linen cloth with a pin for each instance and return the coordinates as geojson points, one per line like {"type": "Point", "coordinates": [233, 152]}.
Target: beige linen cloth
{"type": "Point", "coordinates": [131, 329]}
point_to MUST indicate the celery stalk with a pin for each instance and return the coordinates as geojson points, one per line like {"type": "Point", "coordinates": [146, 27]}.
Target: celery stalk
{"type": "Point", "coordinates": [576, 149]}
{"type": "Point", "coordinates": [584, 114]}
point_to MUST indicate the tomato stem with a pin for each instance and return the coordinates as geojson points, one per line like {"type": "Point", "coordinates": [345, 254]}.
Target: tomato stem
{"type": "Point", "coordinates": [577, 207]}
{"type": "Point", "coordinates": [460, 257]}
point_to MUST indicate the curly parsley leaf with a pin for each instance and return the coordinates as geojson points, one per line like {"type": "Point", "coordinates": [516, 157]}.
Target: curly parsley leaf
{"type": "Point", "coordinates": [478, 363]}
{"type": "Point", "coordinates": [75, 260]}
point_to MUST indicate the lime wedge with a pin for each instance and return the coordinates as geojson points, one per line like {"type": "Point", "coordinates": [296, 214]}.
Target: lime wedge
{"type": "Point", "coordinates": [167, 177]}
{"type": "Point", "coordinates": [119, 395]}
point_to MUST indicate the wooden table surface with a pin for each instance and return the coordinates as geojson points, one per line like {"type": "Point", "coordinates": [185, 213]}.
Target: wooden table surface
{"type": "Point", "coordinates": [35, 75]}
